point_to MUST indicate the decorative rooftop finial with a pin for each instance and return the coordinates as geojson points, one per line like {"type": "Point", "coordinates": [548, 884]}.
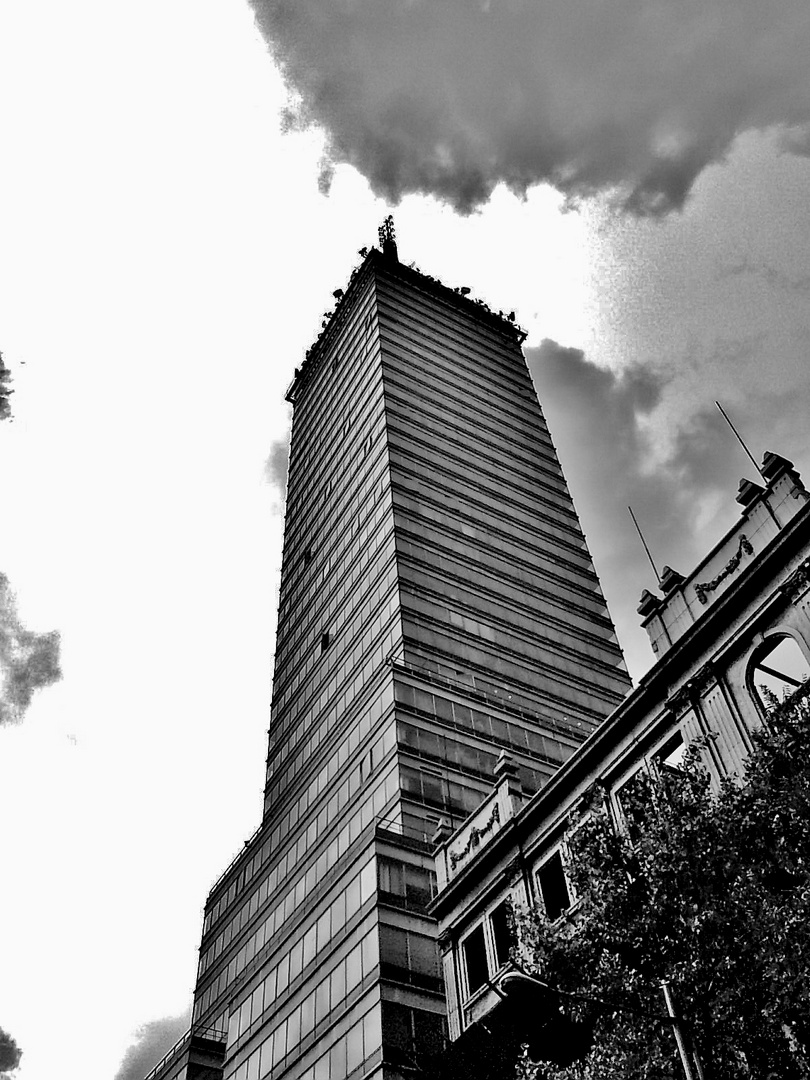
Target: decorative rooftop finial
{"type": "Point", "coordinates": [388, 238]}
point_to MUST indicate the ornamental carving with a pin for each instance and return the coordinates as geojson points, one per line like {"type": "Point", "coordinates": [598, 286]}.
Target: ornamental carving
{"type": "Point", "coordinates": [692, 690]}
{"type": "Point", "coordinates": [475, 837]}
{"type": "Point", "coordinates": [744, 548]}
{"type": "Point", "coordinates": [798, 581]}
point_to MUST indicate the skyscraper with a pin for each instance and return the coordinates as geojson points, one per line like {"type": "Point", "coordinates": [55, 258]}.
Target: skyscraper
{"type": "Point", "coordinates": [438, 605]}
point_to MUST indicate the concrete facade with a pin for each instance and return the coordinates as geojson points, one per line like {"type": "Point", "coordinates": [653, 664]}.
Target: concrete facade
{"type": "Point", "coordinates": [715, 632]}
{"type": "Point", "coordinates": [438, 605]}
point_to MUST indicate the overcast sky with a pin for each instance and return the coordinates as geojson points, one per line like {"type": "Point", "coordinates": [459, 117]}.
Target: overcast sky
{"type": "Point", "coordinates": [631, 180]}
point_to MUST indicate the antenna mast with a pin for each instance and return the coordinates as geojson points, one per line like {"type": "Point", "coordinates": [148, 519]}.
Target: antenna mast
{"type": "Point", "coordinates": [740, 440]}
{"type": "Point", "coordinates": [644, 542]}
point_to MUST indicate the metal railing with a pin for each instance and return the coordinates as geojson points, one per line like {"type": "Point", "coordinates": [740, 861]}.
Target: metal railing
{"type": "Point", "coordinates": [211, 1033]}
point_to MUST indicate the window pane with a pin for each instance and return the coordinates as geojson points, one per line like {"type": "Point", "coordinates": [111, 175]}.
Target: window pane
{"type": "Point", "coordinates": [553, 887]}
{"type": "Point", "coordinates": [502, 933]}
{"type": "Point", "coordinates": [354, 1048]}
{"type": "Point", "coordinates": [475, 959]}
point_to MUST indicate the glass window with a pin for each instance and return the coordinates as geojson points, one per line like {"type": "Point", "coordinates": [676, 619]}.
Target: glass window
{"type": "Point", "coordinates": [338, 980]}
{"type": "Point", "coordinates": [475, 959]}
{"type": "Point", "coordinates": [309, 945]}
{"type": "Point", "coordinates": [502, 935]}
{"type": "Point", "coordinates": [371, 953]}
{"type": "Point", "coordinates": [307, 1015]}
{"type": "Point", "coordinates": [354, 1048]}
{"type": "Point", "coordinates": [337, 1060]}
{"type": "Point", "coordinates": [322, 1001]}
{"type": "Point", "coordinates": [553, 887]}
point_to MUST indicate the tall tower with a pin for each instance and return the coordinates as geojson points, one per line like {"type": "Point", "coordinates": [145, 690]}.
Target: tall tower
{"type": "Point", "coordinates": [438, 605]}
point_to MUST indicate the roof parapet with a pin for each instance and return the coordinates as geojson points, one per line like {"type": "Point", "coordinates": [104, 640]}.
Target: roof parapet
{"type": "Point", "coordinates": [766, 512]}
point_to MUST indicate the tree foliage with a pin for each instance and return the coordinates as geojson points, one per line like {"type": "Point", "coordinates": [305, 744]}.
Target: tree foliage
{"type": "Point", "coordinates": [708, 889]}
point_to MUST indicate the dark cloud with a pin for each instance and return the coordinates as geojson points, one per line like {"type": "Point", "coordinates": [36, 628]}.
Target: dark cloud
{"type": "Point", "coordinates": [28, 661]}
{"type": "Point", "coordinates": [621, 442]}
{"type": "Point", "coordinates": [152, 1041]}
{"type": "Point", "coordinates": [634, 97]}
{"type": "Point", "coordinates": [275, 468]}
{"type": "Point", "coordinates": [10, 1055]}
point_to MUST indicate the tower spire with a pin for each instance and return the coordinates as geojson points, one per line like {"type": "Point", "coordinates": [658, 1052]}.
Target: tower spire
{"type": "Point", "coordinates": [388, 238]}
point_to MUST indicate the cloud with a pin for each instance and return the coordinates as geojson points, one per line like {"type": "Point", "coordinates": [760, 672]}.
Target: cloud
{"type": "Point", "coordinates": [28, 661]}
{"type": "Point", "coordinates": [452, 97]}
{"type": "Point", "coordinates": [153, 1040]}
{"type": "Point", "coordinates": [275, 468]}
{"type": "Point", "coordinates": [10, 1055]}
{"type": "Point", "coordinates": [630, 439]}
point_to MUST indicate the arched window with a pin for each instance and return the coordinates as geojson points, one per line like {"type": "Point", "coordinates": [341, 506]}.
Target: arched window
{"type": "Point", "coordinates": [776, 669]}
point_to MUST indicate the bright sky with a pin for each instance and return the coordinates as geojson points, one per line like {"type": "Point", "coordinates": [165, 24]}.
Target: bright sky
{"type": "Point", "coordinates": [165, 259]}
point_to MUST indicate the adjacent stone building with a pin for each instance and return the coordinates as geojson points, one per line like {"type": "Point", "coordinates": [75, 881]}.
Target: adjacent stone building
{"type": "Point", "coordinates": [740, 621]}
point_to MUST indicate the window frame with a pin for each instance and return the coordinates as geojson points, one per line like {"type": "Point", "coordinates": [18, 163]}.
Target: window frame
{"type": "Point", "coordinates": [559, 851]}
{"type": "Point", "coordinates": [493, 967]}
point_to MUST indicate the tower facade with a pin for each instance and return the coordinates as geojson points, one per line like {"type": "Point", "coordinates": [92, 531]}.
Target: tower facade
{"type": "Point", "coordinates": [438, 605]}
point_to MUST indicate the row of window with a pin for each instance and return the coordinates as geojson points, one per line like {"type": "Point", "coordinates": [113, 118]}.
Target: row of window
{"type": "Point", "coordinates": [447, 343]}
{"type": "Point", "coordinates": [449, 796]}
{"type": "Point", "coordinates": [352, 341]}
{"type": "Point", "coordinates": [345, 1056]}
{"type": "Point", "coordinates": [285, 906]}
{"type": "Point", "coordinates": [450, 458]}
{"type": "Point", "coordinates": [346, 462]}
{"type": "Point", "coordinates": [316, 500]}
{"type": "Point", "coordinates": [337, 697]}
{"type": "Point", "coordinates": [404, 884]}
{"type": "Point", "coordinates": [352, 642]}
{"type": "Point", "coordinates": [330, 547]}
{"type": "Point", "coordinates": [375, 597]}
{"type": "Point", "coordinates": [488, 507]}
{"type": "Point", "coordinates": [528, 570]}
{"type": "Point", "coordinates": [325, 997]}
{"type": "Point", "coordinates": [380, 548]}
{"type": "Point", "coordinates": [483, 724]}
{"type": "Point", "coordinates": [544, 659]}
{"type": "Point", "coordinates": [408, 957]}
{"type": "Point", "coordinates": [295, 756]}
{"type": "Point", "coordinates": [358, 486]}
{"type": "Point", "coordinates": [460, 755]}
{"type": "Point", "coordinates": [352, 558]}
{"type": "Point", "coordinates": [340, 913]}
{"type": "Point", "coordinates": [498, 429]}
{"type": "Point", "coordinates": [540, 695]}
{"type": "Point", "coordinates": [434, 552]}
{"type": "Point", "coordinates": [318, 412]}
{"type": "Point", "coordinates": [332, 808]}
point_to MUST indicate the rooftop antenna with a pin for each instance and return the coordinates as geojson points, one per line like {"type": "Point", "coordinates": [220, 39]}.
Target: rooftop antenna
{"type": "Point", "coordinates": [644, 542]}
{"type": "Point", "coordinates": [388, 238]}
{"type": "Point", "coordinates": [740, 440]}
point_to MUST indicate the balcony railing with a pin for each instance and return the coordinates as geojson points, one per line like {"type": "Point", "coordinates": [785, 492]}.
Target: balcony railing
{"type": "Point", "coordinates": [195, 1031]}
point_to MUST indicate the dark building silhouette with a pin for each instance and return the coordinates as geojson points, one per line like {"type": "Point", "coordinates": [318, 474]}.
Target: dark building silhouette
{"type": "Point", "coordinates": [438, 605]}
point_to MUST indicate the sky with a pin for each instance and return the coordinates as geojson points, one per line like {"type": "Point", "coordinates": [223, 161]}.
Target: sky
{"type": "Point", "coordinates": [184, 184]}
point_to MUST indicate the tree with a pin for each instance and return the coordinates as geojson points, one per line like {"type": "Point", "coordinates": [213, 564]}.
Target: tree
{"type": "Point", "coordinates": [5, 390]}
{"type": "Point", "coordinates": [709, 890]}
